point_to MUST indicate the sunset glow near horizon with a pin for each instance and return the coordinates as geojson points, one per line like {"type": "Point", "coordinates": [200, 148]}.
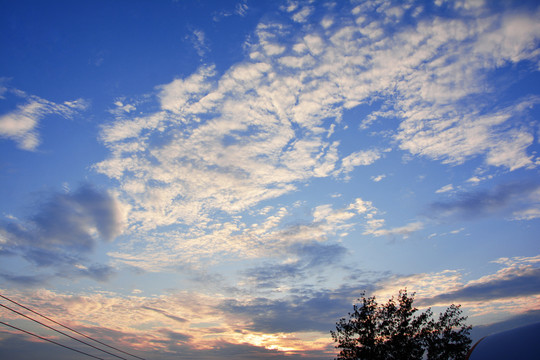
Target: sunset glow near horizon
{"type": "Point", "coordinates": [223, 179]}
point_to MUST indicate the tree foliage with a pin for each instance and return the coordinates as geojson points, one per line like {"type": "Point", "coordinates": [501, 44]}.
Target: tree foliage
{"type": "Point", "coordinates": [394, 331]}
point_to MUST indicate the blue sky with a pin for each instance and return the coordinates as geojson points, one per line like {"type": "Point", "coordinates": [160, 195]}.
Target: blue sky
{"type": "Point", "coordinates": [209, 179]}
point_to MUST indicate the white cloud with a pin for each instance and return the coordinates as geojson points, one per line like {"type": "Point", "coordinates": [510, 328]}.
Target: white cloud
{"type": "Point", "coordinates": [303, 14]}
{"type": "Point", "coordinates": [434, 127]}
{"type": "Point", "coordinates": [360, 158]}
{"type": "Point", "coordinates": [21, 125]}
{"type": "Point", "coordinates": [327, 22]}
{"type": "Point", "coordinates": [469, 4]}
{"type": "Point", "coordinates": [298, 62]}
{"type": "Point", "coordinates": [314, 43]}
{"type": "Point", "coordinates": [291, 6]}
{"type": "Point", "coordinates": [528, 214]}
{"type": "Point", "coordinates": [362, 206]}
{"type": "Point", "coordinates": [378, 177]}
{"type": "Point", "coordinates": [179, 95]}
{"type": "Point", "coordinates": [198, 39]}
{"type": "Point", "coordinates": [445, 188]}
{"type": "Point", "coordinates": [273, 49]}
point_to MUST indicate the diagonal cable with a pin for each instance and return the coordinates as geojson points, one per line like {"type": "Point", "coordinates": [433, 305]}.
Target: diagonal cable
{"type": "Point", "coordinates": [60, 332]}
{"type": "Point", "coordinates": [49, 340]}
{"type": "Point", "coordinates": [66, 327]}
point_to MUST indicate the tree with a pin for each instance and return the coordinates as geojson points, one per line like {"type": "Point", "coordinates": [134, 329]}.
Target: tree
{"type": "Point", "coordinates": [393, 331]}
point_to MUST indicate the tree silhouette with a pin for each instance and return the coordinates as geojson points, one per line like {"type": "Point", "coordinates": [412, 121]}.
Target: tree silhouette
{"type": "Point", "coordinates": [393, 331]}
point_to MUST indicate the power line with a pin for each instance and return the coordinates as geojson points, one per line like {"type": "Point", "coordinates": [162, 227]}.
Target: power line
{"type": "Point", "coordinates": [60, 332]}
{"type": "Point", "coordinates": [49, 340]}
{"type": "Point", "coordinates": [66, 327]}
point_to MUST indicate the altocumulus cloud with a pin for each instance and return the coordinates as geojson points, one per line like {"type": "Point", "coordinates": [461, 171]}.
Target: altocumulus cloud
{"type": "Point", "coordinates": [64, 229]}
{"type": "Point", "coordinates": [221, 143]}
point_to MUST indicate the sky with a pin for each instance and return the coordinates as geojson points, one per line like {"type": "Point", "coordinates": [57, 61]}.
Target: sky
{"type": "Point", "coordinates": [223, 179]}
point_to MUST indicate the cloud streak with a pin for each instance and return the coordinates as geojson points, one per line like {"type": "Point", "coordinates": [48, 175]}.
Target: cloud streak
{"type": "Point", "coordinates": [514, 200]}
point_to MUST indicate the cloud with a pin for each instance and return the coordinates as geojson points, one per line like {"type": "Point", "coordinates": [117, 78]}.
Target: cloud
{"type": "Point", "coordinates": [360, 158]}
{"type": "Point", "coordinates": [374, 227]}
{"type": "Point", "coordinates": [65, 228]}
{"type": "Point", "coordinates": [298, 320]}
{"type": "Point", "coordinates": [516, 200]}
{"type": "Point", "coordinates": [98, 272]}
{"type": "Point", "coordinates": [13, 345]}
{"type": "Point", "coordinates": [527, 214]}
{"type": "Point", "coordinates": [21, 125]}
{"type": "Point", "coordinates": [302, 260]}
{"type": "Point", "coordinates": [303, 14]}
{"type": "Point", "coordinates": [241, 9]}
{"type": "Point", "coordinates": [207, 330]}
{"type": "Point", "coordinates": [423, 285]}
{"type": "Point", "coordinates": [164, 313]}
{"type": "Point", "coordinates": [520, 279]}
{"type": "Point", "coordinates": [445, 188]}
{"type": "Point", "coordinates": [510, 291]}
{"type": "Point", "coordinates": [25, 280]}
{"type": "Point", "coordinates": [266, 236]}
{"type": "Point", "coordinates": [198, 39]}
{"type": "Point", "coordinates": [310, 312]}
{"type": "Point", "coordinates": [175, 335]}
{"type": "Point", "coordinates": [179, 95]}
{"type": "Point", "coordinates": [220, 143]}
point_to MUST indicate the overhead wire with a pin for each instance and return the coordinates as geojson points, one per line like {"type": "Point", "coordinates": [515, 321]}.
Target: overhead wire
{"type": "Point", "coordinates": [60, 332]}
{"type": "Point", "coordinates": [67, 327]}
{"type": "Point", "coordinates": [51, 341]}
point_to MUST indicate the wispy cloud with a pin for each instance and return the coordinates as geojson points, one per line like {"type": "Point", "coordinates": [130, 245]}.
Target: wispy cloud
{"type": "Point", "coordinates": [375, 227]}
{"type": "Point", "coordinates": [198, 39]}
{"type": "Point", "coordinates": [445, 188]}
{"type": "Point", "coordinates": [378, 177]}
{"type": "Point", "coordinates": [359, 158]}
{"type": "Point", "coordinates": [21, 125]}
{"type": "Point", "coordinates": [303, 14]}
{"type": "Point", "coordinates": [241, 8]}
{"type": "Point", "coordinates": [25, 280]}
